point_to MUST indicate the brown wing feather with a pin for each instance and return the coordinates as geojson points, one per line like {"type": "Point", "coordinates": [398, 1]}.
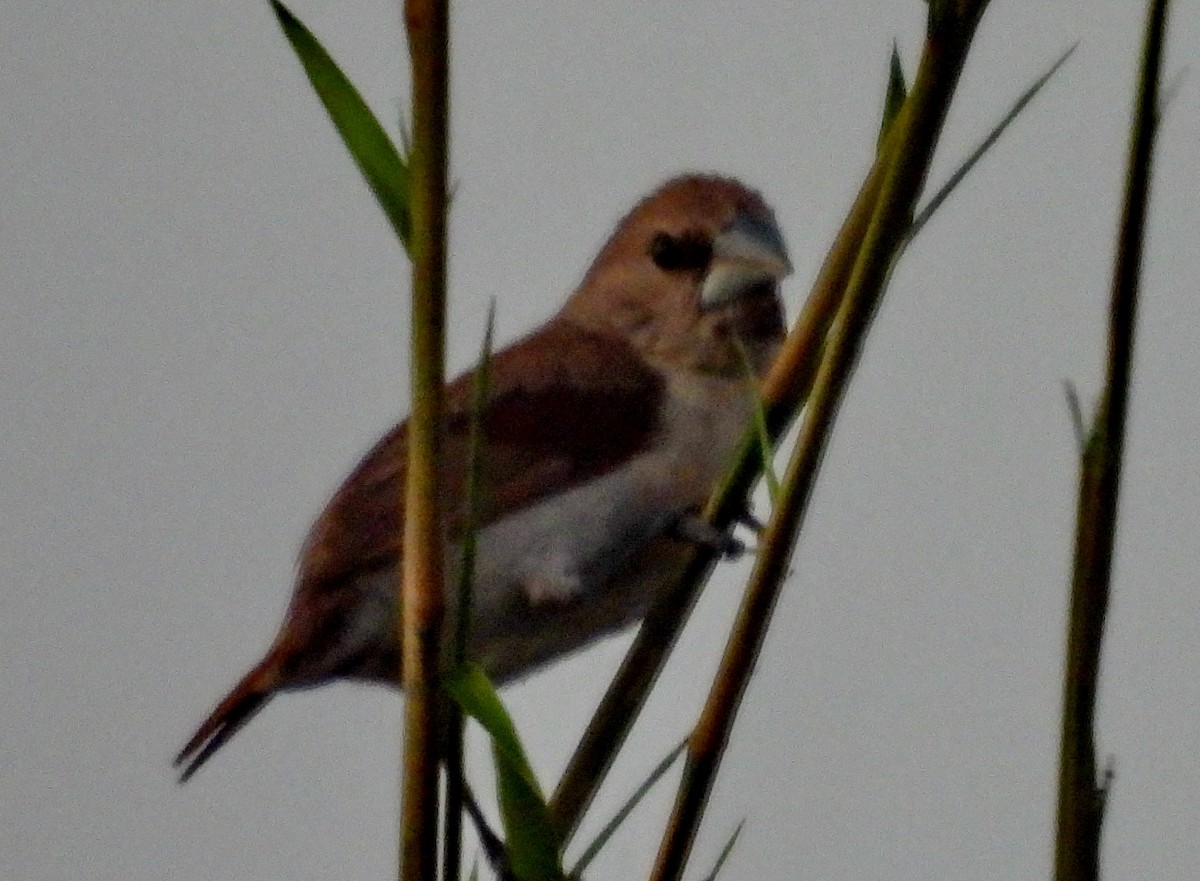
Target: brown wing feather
{"type": "Point", "coordinates": [566, 405]}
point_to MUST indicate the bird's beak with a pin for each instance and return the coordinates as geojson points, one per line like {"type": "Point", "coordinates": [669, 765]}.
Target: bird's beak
{"type": "Point", "coordinates": [747, 253]}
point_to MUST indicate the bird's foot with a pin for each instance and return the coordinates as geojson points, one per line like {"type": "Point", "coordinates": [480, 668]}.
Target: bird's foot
{"type": "Point", "coordinates": [747, 519]}
{"type": "Point", "coordinates": [694, 528]}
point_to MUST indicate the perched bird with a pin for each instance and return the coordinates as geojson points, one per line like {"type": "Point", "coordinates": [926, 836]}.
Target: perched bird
{"type": "Point", "coordinates": [603, 434]}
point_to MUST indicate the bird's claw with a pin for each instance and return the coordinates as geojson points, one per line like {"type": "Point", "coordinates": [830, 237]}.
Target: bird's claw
{"type": "Point", "coordinates": [750, 522]}
{"type": "Point", "coordinates": [692, 527]}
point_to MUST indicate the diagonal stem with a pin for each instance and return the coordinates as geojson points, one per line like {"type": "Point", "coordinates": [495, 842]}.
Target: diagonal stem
{"type": "Point", "coordinates": [950, 32]}
{"type": "Point", "coordinates": [783, 394]}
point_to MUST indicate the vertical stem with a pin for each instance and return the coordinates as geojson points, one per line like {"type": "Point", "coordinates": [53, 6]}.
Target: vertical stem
{"type": "Point", "coordinates": [422, 583]}
{"type": "Point", "coordinates": [1081, 796]}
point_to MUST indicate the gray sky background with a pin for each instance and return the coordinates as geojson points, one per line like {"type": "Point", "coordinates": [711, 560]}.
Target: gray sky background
{"type": "Point", "coordinates": [204, 325]}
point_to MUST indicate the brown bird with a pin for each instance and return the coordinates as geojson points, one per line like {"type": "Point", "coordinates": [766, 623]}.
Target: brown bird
{"type": "Point", "coordinates": [603, 434]}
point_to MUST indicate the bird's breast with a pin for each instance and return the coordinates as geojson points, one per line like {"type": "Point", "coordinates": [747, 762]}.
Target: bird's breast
{"type": "Point", "coordinates": [570, 568]}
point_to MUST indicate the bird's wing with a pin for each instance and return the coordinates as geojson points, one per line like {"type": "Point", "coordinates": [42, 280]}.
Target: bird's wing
{"type": "Point", "coordinates": [565, 406]}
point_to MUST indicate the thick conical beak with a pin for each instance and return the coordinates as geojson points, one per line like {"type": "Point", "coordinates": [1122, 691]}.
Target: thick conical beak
{"type": "Point", "coordinates": [748, 253]}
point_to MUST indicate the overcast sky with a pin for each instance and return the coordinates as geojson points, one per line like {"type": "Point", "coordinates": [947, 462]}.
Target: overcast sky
{"type": "Point", "coordinates": [205, 324]}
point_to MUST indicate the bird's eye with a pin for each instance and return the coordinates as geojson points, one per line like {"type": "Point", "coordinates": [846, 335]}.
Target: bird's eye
{"type": "Point", "coordinates": [691, 250]}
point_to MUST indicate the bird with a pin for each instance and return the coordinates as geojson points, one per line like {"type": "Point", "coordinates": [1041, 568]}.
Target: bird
{"type": "Point", "coordinates": [603, 433]}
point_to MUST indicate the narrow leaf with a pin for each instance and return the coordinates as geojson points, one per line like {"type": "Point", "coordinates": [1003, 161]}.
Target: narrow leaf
{"type": "Point", "coordinates": [532, 842]}
{"type": "Point", "coordinates": [479, 397]}
{"type": "Point", "coordinates": [452, 839]}
{"type": "Point", "coordinates": [405, 134]}
{"type": "Point", "coordinates": [923, 216]}
{"type": "Point", "coordinates": [626, 809]}
{"type": "Point", "coordinates": [761, 429]}
{"type": "Point", "coordinates": [1076, 411]}
{"type": "Point", "coordinates": [1170, 90]}
{"type": "Point", "coordinates": [725, 852]}
{"type": "Point", "coordinates": [385, 168]}
{"type": "Point", "coordinates": [897, 92]}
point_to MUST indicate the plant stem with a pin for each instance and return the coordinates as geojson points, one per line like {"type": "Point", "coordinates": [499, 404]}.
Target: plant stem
{"type": "Point", "coordinates": [951, 28]}
{"type": "Point", "coordinates": [1081, 796]}
{"type": "Point", "coordinates": [783, 394]}
{"type": "Point", "coordinates": [422, 583]}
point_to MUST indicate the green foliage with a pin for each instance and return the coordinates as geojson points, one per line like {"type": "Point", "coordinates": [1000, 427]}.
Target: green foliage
{"type": "Point", "coordinates": [762, 432]}
{"type": "Point", "coordinates": [923, 216]}
{"type": "Point", "coordinates": [626, 809]}
{"type": "Point", "coordinates": [725, 852]}
{"type": "Point", "coordinates": [452, 840]}
{"type": "Point", "coordinates": [384, 167]}
{"type": "Point", "coordinates": [897, 92]}
{"type": "Point", "coordinates": [532, 843]}
{"type": "Point", "coordinates": [479, 397]}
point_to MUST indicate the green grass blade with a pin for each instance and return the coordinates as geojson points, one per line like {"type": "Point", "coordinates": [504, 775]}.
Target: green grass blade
{"type": "Point", "coordinates": [725, 852]}
{"type": "Point", "coordinates": [1076, 411]}
{"type": "Point", "coordinates": [626, 809]}
{"type": "Point", "coordinates": [943, 193]}
{"type": "Point", "coordinates": [531, 840]}
{"type": "Point", "coordinates": [452, 839]}
{"type": "Point", "coordinates": [897, 91]}
{"type": "Point", "coordinates": [479, 397]}
{"type": "Point", "coordinates": [383, 166]}
{"type": "Point", "coordinates": [761, 429]}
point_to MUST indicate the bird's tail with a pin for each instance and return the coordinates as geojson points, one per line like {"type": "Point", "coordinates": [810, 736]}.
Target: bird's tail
{"type": "Point", "coordinates": [239, 707]}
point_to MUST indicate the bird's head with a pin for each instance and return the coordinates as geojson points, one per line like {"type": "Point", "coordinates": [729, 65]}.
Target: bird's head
{"type": "Point", "coordinates": [692, 268]}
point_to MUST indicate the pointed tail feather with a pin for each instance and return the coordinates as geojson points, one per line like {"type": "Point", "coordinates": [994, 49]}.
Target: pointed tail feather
{"type": "Point", "coordinates": [239, 707]}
